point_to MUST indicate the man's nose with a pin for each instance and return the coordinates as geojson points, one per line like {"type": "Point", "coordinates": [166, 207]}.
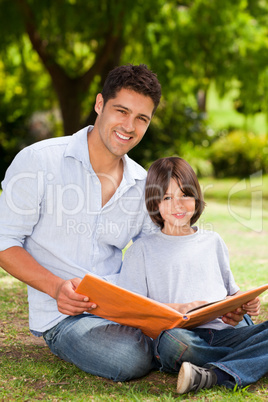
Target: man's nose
{"type": "Point", "coordinates": [129, 124]}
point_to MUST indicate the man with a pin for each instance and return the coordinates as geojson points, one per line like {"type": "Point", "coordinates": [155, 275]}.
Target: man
{"type": "Point", "coordinates": [69, 206]}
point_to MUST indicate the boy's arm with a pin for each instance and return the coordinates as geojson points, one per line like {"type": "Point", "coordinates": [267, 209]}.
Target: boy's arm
{"type": "Point", "coordinates": [20, 264]}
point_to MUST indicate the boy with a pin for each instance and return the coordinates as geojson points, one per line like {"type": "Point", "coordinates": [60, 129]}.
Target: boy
{"type": "Point", "coordinates": [185, 267]}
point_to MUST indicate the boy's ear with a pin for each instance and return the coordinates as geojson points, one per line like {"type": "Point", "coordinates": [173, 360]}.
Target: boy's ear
{"type": "Point", "coordinates": [99, 104]}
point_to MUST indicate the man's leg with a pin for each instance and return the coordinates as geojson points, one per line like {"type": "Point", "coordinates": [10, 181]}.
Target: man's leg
{"type": "Point", "coordinates": [102, 347]}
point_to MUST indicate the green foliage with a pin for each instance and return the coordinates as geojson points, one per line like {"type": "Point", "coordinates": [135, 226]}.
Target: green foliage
{"type": "Point", "coordinates": [57, 54]}
{"type": "Point", "coordinates": [24, 89]}
{"type": "Point", "coordinates": [175, 130]}
{"type": "Point", "coordinates": [239, 154]}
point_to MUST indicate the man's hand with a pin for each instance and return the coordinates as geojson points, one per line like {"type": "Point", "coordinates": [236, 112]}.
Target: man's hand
{"type": "Point", "coordinates": [69, 302]}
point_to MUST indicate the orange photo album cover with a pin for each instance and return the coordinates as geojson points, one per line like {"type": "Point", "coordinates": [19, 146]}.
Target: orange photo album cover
{"type": "Point", "coordinates": [128, 308]}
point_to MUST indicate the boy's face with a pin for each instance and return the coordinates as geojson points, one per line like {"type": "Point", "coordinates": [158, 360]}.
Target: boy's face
{"type": "Point", "coordinates": [123, 121]}
{"type": "Point", "coordinates": [176, 210]}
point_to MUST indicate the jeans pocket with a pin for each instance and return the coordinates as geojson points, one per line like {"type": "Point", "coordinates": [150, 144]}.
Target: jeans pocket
{"type": "Point", "coordinates": [169, 351]}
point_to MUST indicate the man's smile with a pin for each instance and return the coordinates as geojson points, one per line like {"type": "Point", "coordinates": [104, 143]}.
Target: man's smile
{"type": "Point", "coordinates": [121, 136]}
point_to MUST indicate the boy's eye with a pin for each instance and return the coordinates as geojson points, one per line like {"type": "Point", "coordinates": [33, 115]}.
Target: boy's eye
{"type": "Point", "coordinates": [167, 198]}
{"type": "Point", "coordinates": [187, 196]}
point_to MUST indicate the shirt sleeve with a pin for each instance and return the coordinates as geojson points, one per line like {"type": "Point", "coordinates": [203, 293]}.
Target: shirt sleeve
{"type": "Point", "coordinates": [148, 228]}
{"type": "Point", "coordinates": [226, 272]}
{"type": "Point", "coordinates": [133, 275]}
{"type": "Point", "coordinates": [20, 200]}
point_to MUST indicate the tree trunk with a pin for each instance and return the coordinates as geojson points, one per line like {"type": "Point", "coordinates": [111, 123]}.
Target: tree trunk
{"type": "Point", "coordinates": [202, 100]}
{"type": "Point", "coordinates": [72, 91]}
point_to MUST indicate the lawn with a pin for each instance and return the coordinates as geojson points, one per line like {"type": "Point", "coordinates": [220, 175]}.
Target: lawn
{"type": "Point", "coordinates": [29, 372]}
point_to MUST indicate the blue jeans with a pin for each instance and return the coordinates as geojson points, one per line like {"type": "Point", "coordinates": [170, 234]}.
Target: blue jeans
{"type": "Point", "coordinates": [240, 352]}
{"type": "Point", "coordinates": [102, 347]}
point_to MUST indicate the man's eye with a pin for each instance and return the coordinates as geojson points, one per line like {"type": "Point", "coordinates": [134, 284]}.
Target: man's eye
{"type": "Point", "coordinates": [143, 119]}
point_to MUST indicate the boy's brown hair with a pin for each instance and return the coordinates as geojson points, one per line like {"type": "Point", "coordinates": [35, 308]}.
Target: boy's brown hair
{"type": "Point", "coordinates": [159, 175]}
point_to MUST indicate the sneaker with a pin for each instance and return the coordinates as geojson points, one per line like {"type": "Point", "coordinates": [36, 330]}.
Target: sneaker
{"type": "Point", "coordinates": [193, 378]}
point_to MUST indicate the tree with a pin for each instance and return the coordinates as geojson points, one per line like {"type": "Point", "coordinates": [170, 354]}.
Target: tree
{"type": "Point", "coordinates": [78, 42]}
{"type": "Point", "coordinates": [189, 43]}
{"type": "Point", "coordinates": [200, 41]}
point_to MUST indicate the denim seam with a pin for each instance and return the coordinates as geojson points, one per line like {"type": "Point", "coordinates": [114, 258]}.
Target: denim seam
{"type": "Point", "coordinates": [226, 369]}
{"type": "Point", "coordinates": [177, 342]}
{"type": "Point", "coordinates": [212, 337]}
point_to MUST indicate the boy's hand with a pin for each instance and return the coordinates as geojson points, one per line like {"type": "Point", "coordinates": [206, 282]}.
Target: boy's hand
{"type": "Point", "coordinates": [234, 317]}
{"type": "Point", "coordinates": [253, 307]}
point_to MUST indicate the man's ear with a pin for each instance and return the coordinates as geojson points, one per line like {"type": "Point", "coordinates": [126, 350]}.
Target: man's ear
{"type": "Point", "coordinates": [99, 104]}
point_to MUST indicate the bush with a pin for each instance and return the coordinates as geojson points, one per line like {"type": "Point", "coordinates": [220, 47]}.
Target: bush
{"type": "Point", "coordinates": [239, 154]}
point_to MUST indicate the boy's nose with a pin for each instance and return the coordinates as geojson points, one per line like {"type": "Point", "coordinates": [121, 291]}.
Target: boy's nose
{"type": "Point", "coordinates": [178, 201]}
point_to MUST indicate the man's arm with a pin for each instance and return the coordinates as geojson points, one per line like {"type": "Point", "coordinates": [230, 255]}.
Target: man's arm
{"type": "Point", "coordinates": [20, 264]}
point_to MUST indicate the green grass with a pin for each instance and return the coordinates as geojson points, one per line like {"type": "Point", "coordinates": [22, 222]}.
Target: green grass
{"type": "Point", "coordinates": [29, 372]}
{"type": "Point", "coordinates": [242, 220]}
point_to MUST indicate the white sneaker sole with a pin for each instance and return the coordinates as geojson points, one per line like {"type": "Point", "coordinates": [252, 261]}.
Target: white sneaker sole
{"type": "Point", "coordinates": [184, 378]}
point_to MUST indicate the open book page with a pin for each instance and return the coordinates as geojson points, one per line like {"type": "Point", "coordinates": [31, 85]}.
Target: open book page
{"type": "Point", "coordinates": [211, 311]}
{"type": "Point", "coordinates": [203, 305]}
{"type": "Point", "coordinates": [127, 308]}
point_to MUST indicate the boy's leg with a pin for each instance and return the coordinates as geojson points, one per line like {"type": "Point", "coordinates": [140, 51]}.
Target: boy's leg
{"type": "Point", "coordinates": [241, 353]}
{"type": "Point", "coordinates": [248, 360]}
{"type": "Point", "coordinates": [102, 347]}
{"type": "Point", "coordinates": [177, 345]}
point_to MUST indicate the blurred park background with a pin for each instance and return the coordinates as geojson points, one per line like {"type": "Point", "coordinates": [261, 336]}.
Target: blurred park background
{"type": "Point", "coordinates": [211, 57]}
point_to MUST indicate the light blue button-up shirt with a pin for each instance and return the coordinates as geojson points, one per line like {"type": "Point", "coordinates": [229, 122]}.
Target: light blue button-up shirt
{"type": "Point", "coordinates": [52, 206]}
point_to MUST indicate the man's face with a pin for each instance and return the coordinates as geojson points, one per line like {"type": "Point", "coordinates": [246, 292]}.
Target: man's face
{"type": "Point", "coordinates": [123, 121]}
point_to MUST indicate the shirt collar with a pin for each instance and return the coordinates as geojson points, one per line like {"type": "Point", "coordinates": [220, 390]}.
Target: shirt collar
{"type": "Point", "coordinates": [78, 149]}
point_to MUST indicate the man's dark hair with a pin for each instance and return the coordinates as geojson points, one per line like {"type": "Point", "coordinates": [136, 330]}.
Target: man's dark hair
{"type": "Point", "coordinates": [137, 78]}
{"type": "Point", "coordinates": [159, 175]}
